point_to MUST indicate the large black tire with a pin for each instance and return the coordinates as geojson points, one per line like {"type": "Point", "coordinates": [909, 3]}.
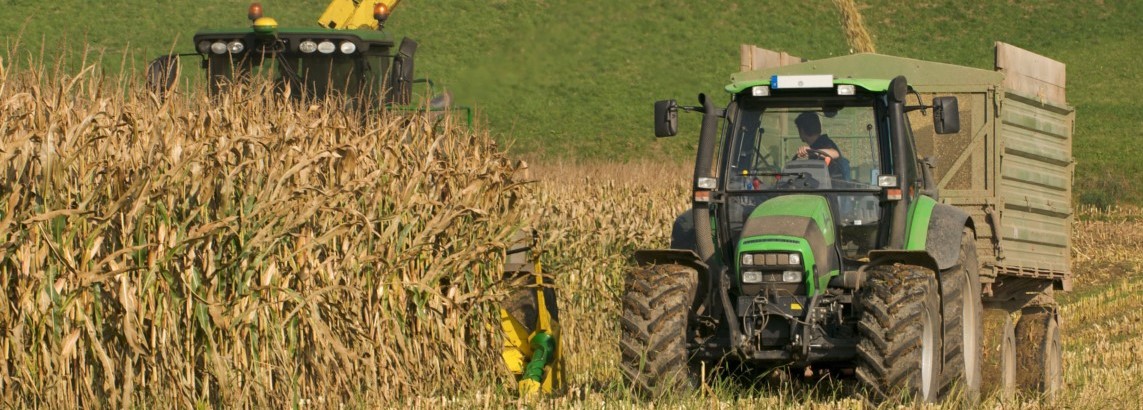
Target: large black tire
{"type": "Point", "coordinates": [1039, 365]}
{"type": "Point", "coordinates": [655, 320]}
{"type": "Point", "coordinates": [998, 358]}
{"type": "Point", "coordinates": [962, 312]}
{"type": "Point", "coordinates": [899, 351]}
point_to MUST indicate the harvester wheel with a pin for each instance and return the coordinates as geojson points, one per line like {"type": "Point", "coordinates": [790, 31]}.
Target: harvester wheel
{"type": "Point", "coordinates": [656, 314]}
{"type": "Point", "coordinates": [963, 322]}
{"type": "Point", "coordinates": [999, 354]}
{"type": "Point", "coordinates": [1038, 351]}
{"type": "Point", "coordinates": [900, 329]}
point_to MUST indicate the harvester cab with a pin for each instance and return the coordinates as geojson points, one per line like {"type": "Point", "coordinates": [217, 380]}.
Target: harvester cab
{"type": "Point", "coordinates": [813, 261]}
{"type": "Point", "coordinates": [348, 55]}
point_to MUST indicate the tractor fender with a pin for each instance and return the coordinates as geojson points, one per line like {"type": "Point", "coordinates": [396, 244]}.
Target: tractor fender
{"type": "Point", "coordinates": [920, 258]}
{"type": "Point", "coordinates": [943, 235]}
{"type": "Point", "coordinates": [683, 257]}
{"type": "Point", "coordinates": [936, 228]}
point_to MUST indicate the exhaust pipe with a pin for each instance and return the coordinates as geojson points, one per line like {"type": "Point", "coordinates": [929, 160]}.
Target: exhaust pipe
{"type": "Point", "coordinates": [700, 208]}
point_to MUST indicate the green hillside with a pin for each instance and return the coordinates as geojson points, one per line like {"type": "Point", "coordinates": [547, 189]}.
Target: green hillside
{"type": "Point", "coordinates": [575, 79]}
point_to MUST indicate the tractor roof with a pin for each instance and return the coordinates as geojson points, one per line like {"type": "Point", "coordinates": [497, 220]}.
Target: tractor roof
{"type": "Point", "coordinates": [873, 72]}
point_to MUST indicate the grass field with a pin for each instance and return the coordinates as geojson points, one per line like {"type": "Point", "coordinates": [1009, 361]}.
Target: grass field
{"type": "Point", "coordinates": [574, 80]}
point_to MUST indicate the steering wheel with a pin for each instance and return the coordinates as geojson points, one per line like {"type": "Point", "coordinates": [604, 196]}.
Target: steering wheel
{"type": "Point", "coordinates": [816, 154]}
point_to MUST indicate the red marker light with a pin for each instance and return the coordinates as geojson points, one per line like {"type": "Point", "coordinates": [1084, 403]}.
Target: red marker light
{"type": "Point", "coordinates": [255, 11]}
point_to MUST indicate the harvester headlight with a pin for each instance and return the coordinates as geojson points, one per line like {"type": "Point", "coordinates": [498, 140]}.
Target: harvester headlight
{"type": "Point", "coordinates": [348, 47]}
{"type": "Point", "coordinates": [751, 277]}
{"type": "Point", "coordinates": [747, 259]}
{"type": "Point", "coordinates": [218, 47]}
{"type": "Point", "coordinates": [791, 276]}
{"type": "Point", "coordinates": [326, 47]}
{"type": "Point", "coordinates": [235, 47]}
{"type": "Point", "coordinates": [795, 259]}
{"type": "Point", "coordinates": [308, 46]}
{"type": "Point", "coordinates": [204, 47]}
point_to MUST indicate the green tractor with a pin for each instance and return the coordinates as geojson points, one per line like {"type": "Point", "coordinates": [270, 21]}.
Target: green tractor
{"type": "Point", "coordinates": [348, 55]}
{"type": "Point", "coordinates": [817, 243]}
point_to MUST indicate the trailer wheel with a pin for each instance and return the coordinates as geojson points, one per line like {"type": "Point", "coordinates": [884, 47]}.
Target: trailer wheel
{"type": "Point", "coordinates": [1038, 354]}
{"type": "Point", "coordinates": [963, 323]}
{"type": "Point", "coordinates": [656, 304]}
{"type": "Point", "coordinates": [998, 357]}
{"type": "Point", "coordinates": [899, 351]}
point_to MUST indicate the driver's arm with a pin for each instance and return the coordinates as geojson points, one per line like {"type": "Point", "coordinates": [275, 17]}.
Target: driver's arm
{"type": "Point", "coordinates": [804, 152]}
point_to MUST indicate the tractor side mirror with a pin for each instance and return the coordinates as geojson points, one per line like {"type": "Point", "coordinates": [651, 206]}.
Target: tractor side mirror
{"type": "Point", "coordinates": [162, 73]}
{"type": "Point", "coordinates": [946, 117]}
{"type": "Point", "coordinates": [666, 118]}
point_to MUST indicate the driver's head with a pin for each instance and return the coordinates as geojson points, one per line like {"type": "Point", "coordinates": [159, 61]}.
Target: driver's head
{"type": "Point", "coordinates": [809, 126]}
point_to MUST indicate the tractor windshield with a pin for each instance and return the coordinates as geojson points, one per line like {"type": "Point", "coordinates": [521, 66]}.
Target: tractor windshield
{"type": "Point", "coordinates": [828, 146]}
{"type": "Point", "coordinates": [841, 137]}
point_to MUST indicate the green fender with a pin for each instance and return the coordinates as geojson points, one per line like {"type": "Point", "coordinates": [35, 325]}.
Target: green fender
{"type": "Point", "coordinates": [936, 228]}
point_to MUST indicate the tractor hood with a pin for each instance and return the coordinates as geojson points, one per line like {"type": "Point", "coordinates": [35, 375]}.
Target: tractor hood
{"type": "Point", "coordinates": [796, 223]}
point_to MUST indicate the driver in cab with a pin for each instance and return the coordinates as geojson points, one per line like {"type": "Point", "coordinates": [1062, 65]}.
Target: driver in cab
{"type": "Point", "coordinates": [818, 145]}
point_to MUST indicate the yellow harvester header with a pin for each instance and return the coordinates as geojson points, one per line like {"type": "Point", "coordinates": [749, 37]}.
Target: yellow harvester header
{"type": "Point", "coordinates": [356, 14]}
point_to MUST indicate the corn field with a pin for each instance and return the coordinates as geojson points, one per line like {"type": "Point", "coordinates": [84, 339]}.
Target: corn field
{"type": "Point", "coordinates": [242, 250]}
{"type": "Point", "coordinates": [249, 251]}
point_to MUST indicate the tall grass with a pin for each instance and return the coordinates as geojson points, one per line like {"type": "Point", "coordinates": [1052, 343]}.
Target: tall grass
{"type": "Point", "coordinates": [242, 250]}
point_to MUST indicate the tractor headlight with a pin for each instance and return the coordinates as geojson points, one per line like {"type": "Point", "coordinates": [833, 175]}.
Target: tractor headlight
{"type": "Point", "coordinates": [751, 277]}
{"type": "Point", "coordinates": [791, 276]}
{"type": "Point", "coordinates": [795, 259]}
{"type": "Point", "coordinates": [204, 47]}
{"type": "Point", "coordinates": [747, 259]}
{"type": "Point", "coordinates": [308, 46]}
{"type": "Point", "coordinates": [218, 47]}
{"type": "Point", "coordinates": [348, 47]}
{"type": "Point", "coordinates": [326, 47]}
{"type": "Point", "coordinates": [235, 47]}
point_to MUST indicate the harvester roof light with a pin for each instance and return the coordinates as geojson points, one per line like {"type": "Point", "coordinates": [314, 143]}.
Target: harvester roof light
{"type": "Point", "coordinates": [218, 47]}
{"type": "Point", "coordinates": [235, 47]}
{"type": "Point", "coordinates": [801, 81]}
{"type": "Point", "coordinates": [760, 91]}
{"type": "Point", "coordinates": [326, 47]}
{"type": "Point", "coordinates": [255, 11]}
{"type": "Point", "coordinates": [708, 183]}
{"type": "Point", "coordinates": [348, 47]}
{"type": "Point", "coordinates": [204, 46]}
{"type": "Point", "coordinates": [846, 89]}
{"type": "Point", "coordinates": [887, 181]}
{"type": "Point", "coordinates": [307, 46]}
{"type": "Point", "coordinates": [380, 12]}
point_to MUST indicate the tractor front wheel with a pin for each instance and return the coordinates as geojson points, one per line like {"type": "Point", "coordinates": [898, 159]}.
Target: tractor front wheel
{"type": "Point", "coordinates": [900, 329]}
{"type": "Point", "coordinates": [656, 312]}
{"type": "Point", "coordinates": [962, 313]}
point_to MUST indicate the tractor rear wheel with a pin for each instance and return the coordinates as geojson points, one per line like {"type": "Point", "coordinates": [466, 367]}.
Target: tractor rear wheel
{"type": "Point", "coordinates": [900, 345]}
{"type": "Point", "coordinates": [963, 322]}
{"type": "Point", "coordinates": [1038, 352]}
{"type": "Point", "coordinates": [656, 314]}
